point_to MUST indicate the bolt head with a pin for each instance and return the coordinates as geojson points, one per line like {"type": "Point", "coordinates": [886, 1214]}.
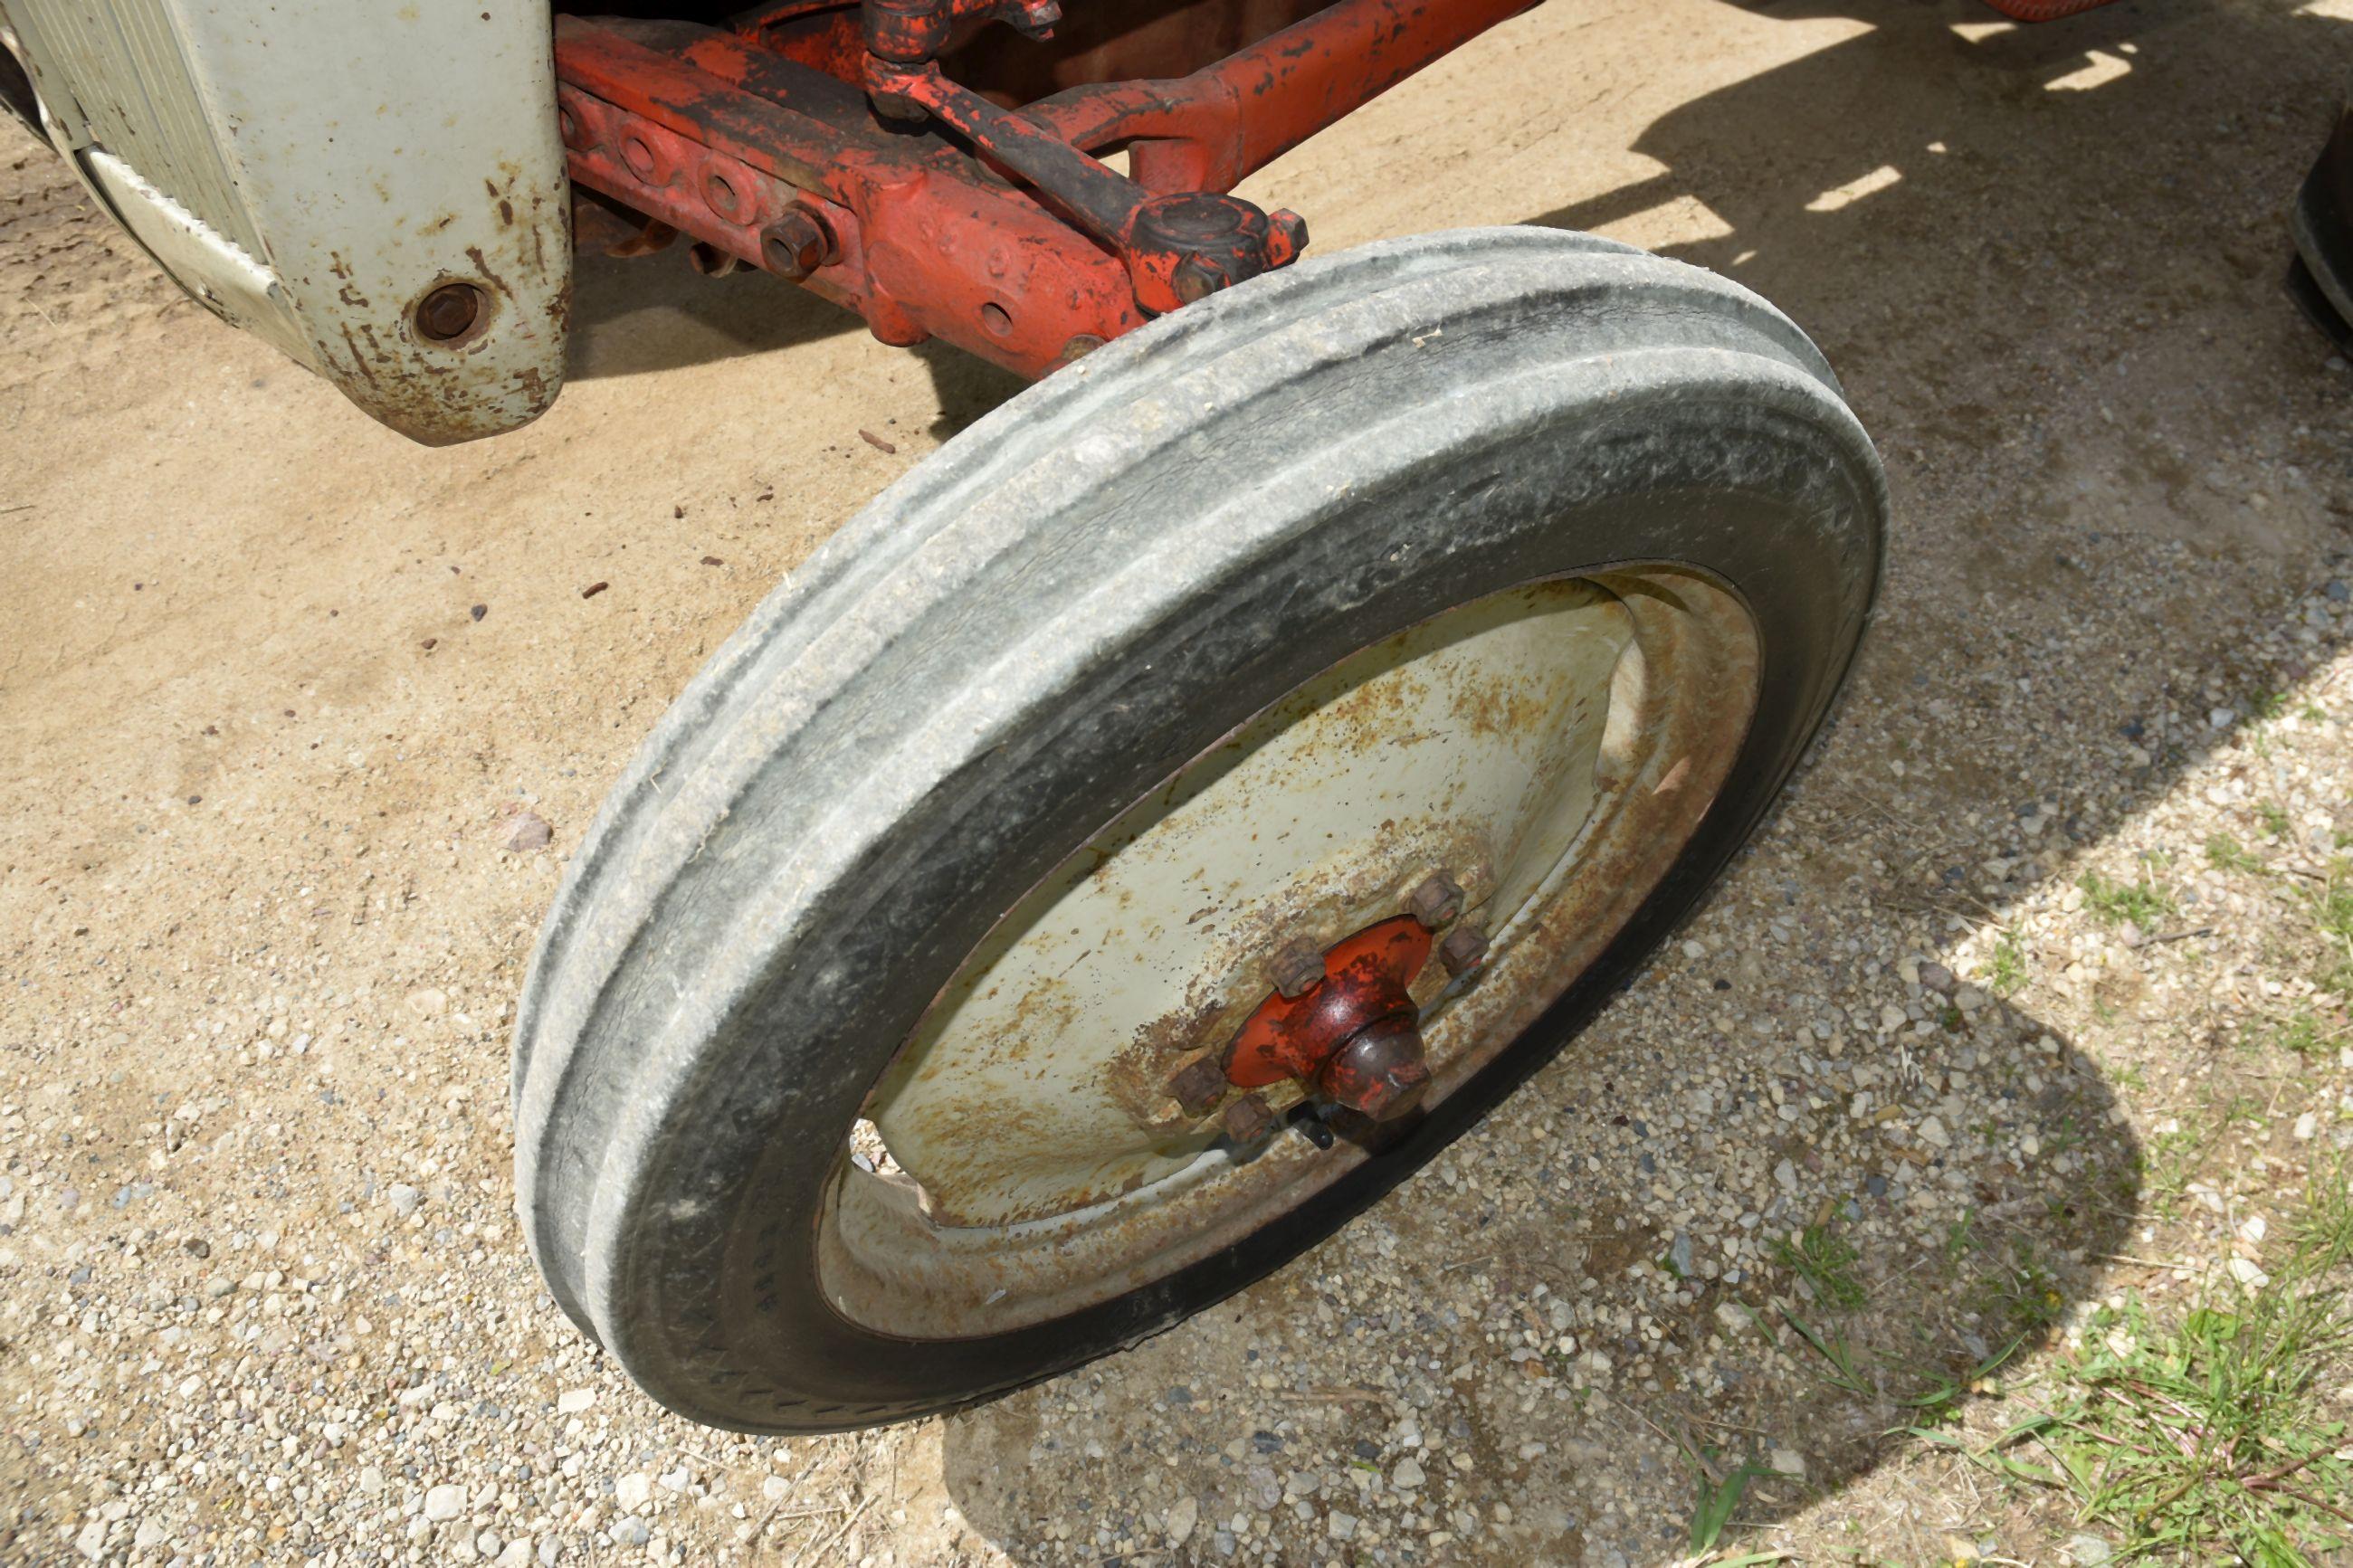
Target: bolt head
{"type": "Point", "coordinates": [449, 312]}
{"type": "Point", "coordinates": [1464, 950]}
{"type": "Point", "coordinates": [795, 245]}
{"type": "Point", "coordinates": [1250, 1120]}
{"type": "Point", "coordinates": [1196, 279]}
{"type": "Point", "coordinates": [1296, 969]}
{"type": "Point", "coordinates": [1290, 227]}
{"type": "Point", "coordinates": [1436, 902]}
{"type": "Point", "coordinates": [1198, 1085]}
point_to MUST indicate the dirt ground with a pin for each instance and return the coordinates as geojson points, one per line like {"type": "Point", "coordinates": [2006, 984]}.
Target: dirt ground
{"type": "Point", "coordinates": [274, 685]}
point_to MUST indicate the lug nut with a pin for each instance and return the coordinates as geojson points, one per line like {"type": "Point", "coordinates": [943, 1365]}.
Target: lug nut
{"type": "Point", "coordinates": [1464, 950]}
{"type": "Point", "coordinates": [796, 243]}
{"type": "Point", "coordinates": [1250, 1120]}
{"type": "Point", "coordinates": [1436, 902]}
{"type": "Point", "coordinates": [1198, 1085]}
{"type": "Point", "coordinates": [1297, 968]}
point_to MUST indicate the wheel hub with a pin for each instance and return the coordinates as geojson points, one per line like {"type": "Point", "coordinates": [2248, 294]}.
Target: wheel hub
{"type": "Point", "coordinates": [1355, 1035]}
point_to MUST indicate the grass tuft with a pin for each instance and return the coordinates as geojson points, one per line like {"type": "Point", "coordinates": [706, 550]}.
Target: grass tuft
{"type": "Point", "coordinates": [2209, 1436]}
{"type": "Point", "coordinates": [2141, 902]}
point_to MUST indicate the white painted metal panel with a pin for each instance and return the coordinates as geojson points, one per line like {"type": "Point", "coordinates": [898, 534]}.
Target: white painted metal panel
{"type": "Point", "coordinates": [312, 169]}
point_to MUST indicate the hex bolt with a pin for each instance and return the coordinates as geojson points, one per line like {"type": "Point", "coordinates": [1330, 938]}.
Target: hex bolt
{"type": "Point", "coordinates": [1464, 950]}
{"type": "Point", "coordinates": [449, 311]}
{"type": "Point", "coordinates": [1196, 277]}
{"type": "Point", "coordinates": [1296, 968]}
{"type": "Point", "coordinates": [1250, 1120]}
{"type": "Point", "coordinates": [796, 243]}
{"type": "Point", "coordinates": [1198, 1084]}
{"type": "Point", "coordinates": [1290, 225]}
{"type": "Point", "coordinates": [1437, 901]}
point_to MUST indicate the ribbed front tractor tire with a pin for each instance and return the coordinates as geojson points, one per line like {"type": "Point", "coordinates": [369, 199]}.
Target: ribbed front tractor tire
{"type": "Point", "coordinates": [1516, 555]}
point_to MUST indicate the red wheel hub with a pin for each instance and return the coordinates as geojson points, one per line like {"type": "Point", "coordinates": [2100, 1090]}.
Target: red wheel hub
{"type": "Point", "coordinates": [1354, 1035]}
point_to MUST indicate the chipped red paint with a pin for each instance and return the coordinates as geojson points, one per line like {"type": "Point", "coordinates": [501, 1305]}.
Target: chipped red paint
{"type": "Point", "coordinates": [1353, 1037]}
{"type": "Point", "coordinates": [1031, 253]}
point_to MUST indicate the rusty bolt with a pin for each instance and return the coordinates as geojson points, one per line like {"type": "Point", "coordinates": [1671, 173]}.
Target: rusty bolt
{"type": "Point", "coordinates": [1079, 346]}
{"type": "Point", "coordinates": [1436, 902]}
{"type": "Point", "coordinates": [1296, 969]}
{"type": "Point", "coordinates": [1250, 1120]}
{"type": "Point", "coordinates": [448, 313]}
{"type": "Point", "coordinates": [796, 243]}
{"type": "Point", "coordinates": [1198, 1084]}
{"type": "Point", "coordinates": [1290, 225]}
{"type": "Point", "coordinates": [1464, 950]}
{"type": "Point", "coordinates": [1197, 279]}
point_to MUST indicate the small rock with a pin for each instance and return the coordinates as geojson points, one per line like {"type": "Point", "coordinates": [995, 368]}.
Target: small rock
{"type": "Point", "coordinates": [2084, 1550]}
{"type": "Point", "coordinates": [517, 1554]}
{"type": "Point", "coordinates": [1408, 1474]}
{"type": "Point", "coordinates": [445, 1502]}
{"type": "Point", "coordinates": [529, 832]}
{"type": "Point", "coordinates": [429, 1003]}
{"type": "Point", "coordinates": [1182, 1518]}
{"type": "Point", "coordinates": [2307, 1126]}
{"type": "Point", "coordinates": [2245, 1272]}
{"type": "Point", "coordinates": [219, 1285]}
{"type": "Point", "coordinates": [1932, 1131]}
{"type": "Point", "coordinates": [1937, 977]}
{"type": "Point", "coordinates": [91, 1542]}
{"type": "Point", "coordinates": [1787, 1462]}
{"type": "Point", "coordinates": [403, 1198]}
{"type": "Point", "coordinates": [630, 1491]}
{"type": "Point", "coordinates": [632, 1533]}
{"type": "Point", "coordinates": [571, 1402]}
{"type": "Point", "coordinates": [1340, 1526]}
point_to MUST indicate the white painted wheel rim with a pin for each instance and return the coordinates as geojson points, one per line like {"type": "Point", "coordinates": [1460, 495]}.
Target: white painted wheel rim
{"type": "Point", "coordinates": [1552, 747]}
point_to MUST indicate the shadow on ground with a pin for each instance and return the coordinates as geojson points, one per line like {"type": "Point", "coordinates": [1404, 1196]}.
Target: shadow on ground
{"type": "Point", "coordinates": [2041, 261]}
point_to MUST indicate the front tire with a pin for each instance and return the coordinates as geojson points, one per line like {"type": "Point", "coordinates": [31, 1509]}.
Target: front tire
{"type": "Point", "coordinates": [1517, 453]}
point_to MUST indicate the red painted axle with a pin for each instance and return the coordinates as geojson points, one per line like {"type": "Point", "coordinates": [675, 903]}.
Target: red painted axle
{"type": "Point", "coordinates": [846, 160]}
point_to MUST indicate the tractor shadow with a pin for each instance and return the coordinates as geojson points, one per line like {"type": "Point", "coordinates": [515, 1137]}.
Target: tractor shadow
{"type": "Point", "coordinates": [641, 315]}
{"type": "Point", "coordinates": [2046, 264]}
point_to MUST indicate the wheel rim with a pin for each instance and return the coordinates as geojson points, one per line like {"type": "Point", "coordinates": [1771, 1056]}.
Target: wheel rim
{"type": "Point", "coordinates": [1551, 748]}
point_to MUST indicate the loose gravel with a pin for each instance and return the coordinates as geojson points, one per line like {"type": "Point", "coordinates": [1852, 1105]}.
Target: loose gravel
{"type": "Point", "coordinates": [2020, 1004]}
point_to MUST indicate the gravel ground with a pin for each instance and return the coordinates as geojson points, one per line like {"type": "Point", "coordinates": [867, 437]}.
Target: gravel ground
{"type": "Point", "coordinates": [2018, 1005]}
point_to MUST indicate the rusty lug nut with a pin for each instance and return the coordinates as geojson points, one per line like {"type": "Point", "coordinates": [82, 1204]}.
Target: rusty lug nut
{"type": "Point", "coordinates": [449, 311]}
{"type": "Point", "coordinates": [1198, 1085]}
{"type": "Point", "coordinates": [796, 243]}
{"type": "Point", "coordinates": [1250, 1120]}
{"type": "Point", "coordinates": [1464, 950]}
{"type": "Point", "coordinates": [1297, 968]}
{"type": "Point", "coordinates": [1436, 902]}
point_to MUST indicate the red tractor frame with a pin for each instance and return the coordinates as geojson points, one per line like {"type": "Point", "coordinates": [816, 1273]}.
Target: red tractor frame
{"type": "Point", "coordinates": [897, 160]}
